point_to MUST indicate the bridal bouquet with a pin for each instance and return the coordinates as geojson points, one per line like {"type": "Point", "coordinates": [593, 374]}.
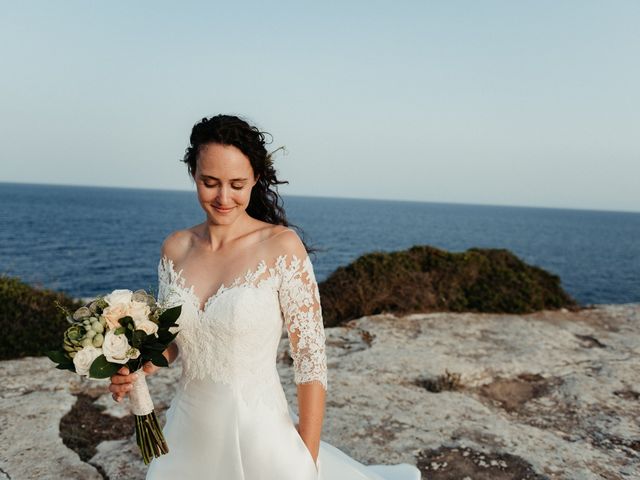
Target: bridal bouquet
{"type": "Point", "coordinates": [123, 327]}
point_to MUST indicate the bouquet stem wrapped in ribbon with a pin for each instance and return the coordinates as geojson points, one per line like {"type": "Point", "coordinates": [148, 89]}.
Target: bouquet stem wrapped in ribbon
{"type": "Point", "coordinates": [122, 328]}
{"type": "Point", "coordinates": [148, 432]}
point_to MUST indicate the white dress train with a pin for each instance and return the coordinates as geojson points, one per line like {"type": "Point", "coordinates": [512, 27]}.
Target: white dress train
{"type": "Point", "coordinates": [230, 419]}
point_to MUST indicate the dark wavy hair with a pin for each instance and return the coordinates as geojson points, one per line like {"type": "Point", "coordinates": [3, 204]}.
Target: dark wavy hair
{"type": "Point", "coordinates": [265, 203]}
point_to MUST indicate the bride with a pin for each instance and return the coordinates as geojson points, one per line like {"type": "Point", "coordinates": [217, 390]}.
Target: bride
{"type": "Point", "coordinates": [242, 276]}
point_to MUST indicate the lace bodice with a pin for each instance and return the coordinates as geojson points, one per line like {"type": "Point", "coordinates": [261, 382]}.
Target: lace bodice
{"type": "Point", "coordinates": [234, 338]}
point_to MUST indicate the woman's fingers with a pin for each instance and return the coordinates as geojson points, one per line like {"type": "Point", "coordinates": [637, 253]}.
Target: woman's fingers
{"type": "Point", "coordinates": [121, 383]}
{"type": "Point", "coordinates": [120, 378]}
{"type": "Point", "coordinates": [149, 367]}
{"type": "Point", "coordinates": [120, 389]}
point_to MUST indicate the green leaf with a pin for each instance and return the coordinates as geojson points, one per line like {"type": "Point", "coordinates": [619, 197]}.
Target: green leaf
{"type": "Point", "coordinates": [150, 340]}
{"type": "Point", "coordinates": [138, 337]}
{"type": "Point", "coordinates": [159, 360]}
{"type": "Point", "coordinates": [169, 316]}
{"type": "Point", "coordinates": [135, 364]}
{"type": "Point", "coordinates": [101, 368]}
{"type": "Point", "coordinates": [127, 322]}
{"type": "Point", "coordinates": [58, 356]}
{"type": "Point", "coordinates": [119, 331]}
{"type": "Point", "coordinates": [166, 337]}
{"type": "Point", "coordinates": [157, 346]}
{"type": "Point", "coordinates": [66, 366]}
{"type": "Point", "coordinates": [144, 357]}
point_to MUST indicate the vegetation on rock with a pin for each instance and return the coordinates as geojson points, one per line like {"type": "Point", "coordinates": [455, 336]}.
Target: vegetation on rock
{"type": "Point", "coordinates": [427, 279]}
{"type": "Point", "coordinates": [30, 320]}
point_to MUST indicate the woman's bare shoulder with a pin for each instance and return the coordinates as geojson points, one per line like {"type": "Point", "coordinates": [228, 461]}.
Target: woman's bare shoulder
{"type": "Point", "coordinates": [276, 230]}
{"type": "Point", "coordinates": [177, 243]}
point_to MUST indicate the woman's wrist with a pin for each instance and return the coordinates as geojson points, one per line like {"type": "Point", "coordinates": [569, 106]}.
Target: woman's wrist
{"type": "Point", "coordinates": [170, 353]}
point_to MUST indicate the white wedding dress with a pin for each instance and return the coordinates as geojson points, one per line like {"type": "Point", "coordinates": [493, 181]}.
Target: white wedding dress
{"type": "Point", "coordinates": [230, 419]}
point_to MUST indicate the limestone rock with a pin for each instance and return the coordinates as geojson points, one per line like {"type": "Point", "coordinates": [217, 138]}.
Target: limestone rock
{"type": "Point", "coordinates": [34, 397]}
{"type": "Point", "coordinates": [547, 395]}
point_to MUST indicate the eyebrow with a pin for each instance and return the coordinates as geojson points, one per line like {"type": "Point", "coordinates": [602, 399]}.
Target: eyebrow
{"type": "Point", "coordinates": [233, 179]}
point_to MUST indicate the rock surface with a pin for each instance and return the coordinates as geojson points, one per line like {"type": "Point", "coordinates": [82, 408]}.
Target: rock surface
{"type": "Point", "coordinates": [479, 396]}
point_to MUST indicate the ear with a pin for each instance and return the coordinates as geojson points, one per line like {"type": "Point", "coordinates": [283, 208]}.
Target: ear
{"type": "Point", "coordinates": [257, 178]}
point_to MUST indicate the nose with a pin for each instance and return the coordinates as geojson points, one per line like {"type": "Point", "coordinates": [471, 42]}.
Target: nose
{"type": "Point", "coordinates": [223, 196]}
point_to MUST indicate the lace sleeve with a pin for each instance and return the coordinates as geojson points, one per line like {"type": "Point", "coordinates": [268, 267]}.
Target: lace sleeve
{"type": "Point", "coordinates": [302, 313]}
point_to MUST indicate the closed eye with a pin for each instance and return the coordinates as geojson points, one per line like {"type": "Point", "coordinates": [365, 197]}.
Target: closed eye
{"type": "Point", "coordinates": [212, 186]}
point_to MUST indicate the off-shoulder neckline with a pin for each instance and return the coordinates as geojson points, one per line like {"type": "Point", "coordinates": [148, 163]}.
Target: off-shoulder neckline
{"type": "Point", "coordinates": [249, 276]}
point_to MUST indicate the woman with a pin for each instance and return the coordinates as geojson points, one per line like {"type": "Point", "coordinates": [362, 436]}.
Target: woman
{"type": "Point", "coordinates": [240, 276]}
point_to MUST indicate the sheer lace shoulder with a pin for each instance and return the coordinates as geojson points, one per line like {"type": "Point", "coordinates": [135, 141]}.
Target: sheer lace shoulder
{"type": "Point", "coordinates": [302, 312]}
{"type": "Point", "coordinates": [168, 295]}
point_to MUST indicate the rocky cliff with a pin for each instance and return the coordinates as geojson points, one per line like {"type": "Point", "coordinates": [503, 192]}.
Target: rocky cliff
{"type": "Point", "coordinates": [481, 396]}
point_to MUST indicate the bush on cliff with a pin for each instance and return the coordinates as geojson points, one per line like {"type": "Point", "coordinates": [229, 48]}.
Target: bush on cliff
{"type": "Point", "coordinates": [427, 279]}
{"type": "Point", "coordinates": [30, 321]}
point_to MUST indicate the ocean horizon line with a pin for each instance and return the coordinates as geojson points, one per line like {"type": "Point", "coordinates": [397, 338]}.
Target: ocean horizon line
{"type": "Point", "coordinates": [326, 197]}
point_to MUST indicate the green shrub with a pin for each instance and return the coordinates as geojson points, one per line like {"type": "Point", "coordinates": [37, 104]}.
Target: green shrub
{"type": "Point", "coordinates": [31, 322]}
{"type": "Point", "coordinates": [427, 279]}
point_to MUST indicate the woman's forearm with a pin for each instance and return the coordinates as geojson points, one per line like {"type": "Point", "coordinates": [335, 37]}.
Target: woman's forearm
{"type": "Point", "coordinates": [311, 403]}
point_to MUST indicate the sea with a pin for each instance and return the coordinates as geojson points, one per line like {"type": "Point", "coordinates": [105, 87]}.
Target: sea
{"type": "Point", "coordinates": [88, 241]}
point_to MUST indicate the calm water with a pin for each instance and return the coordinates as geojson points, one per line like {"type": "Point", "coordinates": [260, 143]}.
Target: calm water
{"type": "Point", "coordinates": [87, 241]}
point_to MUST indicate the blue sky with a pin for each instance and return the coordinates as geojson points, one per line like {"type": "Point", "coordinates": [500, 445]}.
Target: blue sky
{"type": "Point", "coordinates": [530, 103]}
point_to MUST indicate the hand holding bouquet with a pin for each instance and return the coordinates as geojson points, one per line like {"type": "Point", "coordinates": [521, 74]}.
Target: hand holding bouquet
{"type": "Point", "coordinates": [123, 328]}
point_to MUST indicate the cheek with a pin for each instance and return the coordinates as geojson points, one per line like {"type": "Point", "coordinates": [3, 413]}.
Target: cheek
{"type": "Point", "coordinates": [205, 195]}
{"type": "Point", "coordinates": [246, 197]}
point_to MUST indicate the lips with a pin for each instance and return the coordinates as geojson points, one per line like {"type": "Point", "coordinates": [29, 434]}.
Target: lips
{"type": "Point", "coordinates": [223, 210]}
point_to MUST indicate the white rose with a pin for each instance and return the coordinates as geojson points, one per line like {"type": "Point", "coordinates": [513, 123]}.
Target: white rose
{"type": "Point", "coordinates": [115, 347]}
{"type": "Point", "coordinates": [119, 297]}
{"type": "Point", "coordinates": [133, 353]}
{"type": "Point", "coordinates": [147, 326]}
{"type": "Point", "coordinates": [139, 311]}
{"type": "Point", "coordinates": [84, 358]}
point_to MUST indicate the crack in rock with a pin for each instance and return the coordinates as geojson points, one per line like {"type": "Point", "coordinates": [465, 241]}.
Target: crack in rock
{"type": "Point", "coordinates": [85, 426]}
{"type": "Point", "coordinates": [5, 474]}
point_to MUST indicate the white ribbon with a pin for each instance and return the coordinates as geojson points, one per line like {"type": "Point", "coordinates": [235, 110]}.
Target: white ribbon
{"type": "Point", "coordinates": [141, 403]}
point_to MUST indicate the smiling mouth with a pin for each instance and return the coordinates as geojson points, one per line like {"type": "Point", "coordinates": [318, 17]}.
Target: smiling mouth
{"type": "Point", "coordinates": [223, 210]}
